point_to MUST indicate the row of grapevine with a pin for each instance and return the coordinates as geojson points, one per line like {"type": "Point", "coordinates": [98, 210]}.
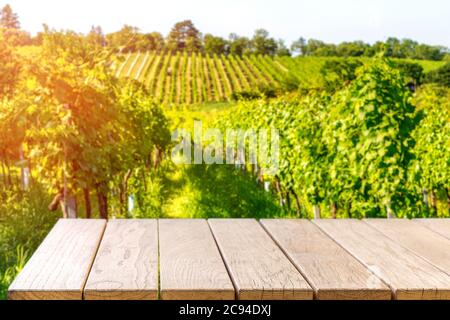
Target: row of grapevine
{"type": "Point", "coordinates": [224, 80]}
{"type": "Point", "coordinates": [368, 150]}
{"type": "Point", "coordinates": [188, 83]}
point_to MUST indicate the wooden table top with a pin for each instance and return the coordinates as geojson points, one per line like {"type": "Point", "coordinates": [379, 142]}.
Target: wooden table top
{"type": "Point", "coordinates": [245, 259]}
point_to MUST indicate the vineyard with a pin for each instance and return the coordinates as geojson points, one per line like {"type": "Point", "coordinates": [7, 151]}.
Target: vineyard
{"type": "Point", "coordinates": [192, 79]}
{"type": "Point", "coordinates": [369, 150]}
{"type": "Point", "coordinates": [181, 78]}
{"type": "Point", "coordinates": [94, 125]}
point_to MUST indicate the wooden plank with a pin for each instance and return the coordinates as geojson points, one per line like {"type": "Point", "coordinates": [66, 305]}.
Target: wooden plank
{"type": "Point", "coordinates": [190, 263]}
{"type": "Point", "coordinates": [441, 226]}
{"type": "Point", "coordinates": [60, 266]}
{"type": "Point", "coordinates": [332, 272]}
{"type": "Point", "coordinates": [126, 266]}
{"type": "Point", "coordinates": [409, 276]}
{"type": "Point", "coordinates": [427, 244]}
{"type": "Point", "coordinates": [259, 268]}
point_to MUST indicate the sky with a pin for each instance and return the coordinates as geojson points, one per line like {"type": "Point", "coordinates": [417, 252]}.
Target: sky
{"type": "Point", "coordinates": [426, 21]}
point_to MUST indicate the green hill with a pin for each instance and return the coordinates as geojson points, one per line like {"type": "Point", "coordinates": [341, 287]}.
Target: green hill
{"type": "Point", "coordinates": [196, 78]}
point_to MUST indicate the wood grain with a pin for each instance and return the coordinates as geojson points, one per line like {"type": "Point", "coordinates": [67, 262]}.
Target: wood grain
{"type": "Point", "coordinates": [332, 272]}
{"type": "Point", "coordinates": [60, 266]}
{"type": "Point", "coordinates": [259, 268]}
{"type": "Point", "coordinates": [429, 245]}
{"type": "Point", "coordinates": [441, 226]}
{"type": "Point", "coordinates": [126, 266]}
{"type": "Point", "coordinates": [190, 263]}
{"type": "Point", "coordinates": [409, 276]}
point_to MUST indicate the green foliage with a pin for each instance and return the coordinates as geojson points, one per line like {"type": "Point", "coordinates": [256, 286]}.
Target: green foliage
{"type": "Point", "coordinates": [370, 136]}
{"type": "Point", "coordinates": [218, 79]}
{"type": "Point", "coordinates": [440, 76]}
{"type": "Point", "coordinates": [392, 48]}
{"type": "Point", "coordinates": [262, 44]}
{"type": "Point", "coordinates": [147, 194]}
{"type": "Point", "coordinates": [245, 95]}
{"type": "Point", "coordinates": [8, 19]}
{"type": "Point", "coordinates": [184, 37]}
{"type": "Point", "coordinates": [8, 275]}
{"type": "Point", "coordinates": [339, 73]}
{"type": "Point", "coordinates": [24, 223]}
{"type": "Point", "coordinates": [74, 90]}
{"type": "Point", "coordinates": [219, 191]}
{"type": "Point", "coordinates": [430, 169]}
{"type": "Point", "coordinates": [412, 72]}
{"type": "Point", "coordinates": [128, 39]}
{"type": "Point", "coordinates": [239, 46]}
{"type": "Point", "coordinates": [355, 149]}
{"type": "Point", "coordinates": [215, 45]}
{"type": "Point", "coordinates": [76, 124]}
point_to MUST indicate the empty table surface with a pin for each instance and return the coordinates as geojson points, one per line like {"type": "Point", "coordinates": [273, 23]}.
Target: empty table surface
{"type": "Point", "coordinates": [226, 259]}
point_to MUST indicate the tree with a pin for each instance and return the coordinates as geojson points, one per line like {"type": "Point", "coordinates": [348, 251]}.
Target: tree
{"type": "Point", "coordinates": [299, 46]}
{"type": "Point", "coordinates": [9, 19]}
{"type": "Point", "coordinates": [282, 50]}
{"type": "Point", "coordinates": [353, 49]}
{"type": "Point", "coordinates": [10, 28]}
{"type": "Point", "coordinates": [413, 72]}
{"type": "Point", "coordinates": [184, 37]}
{"type": "Point", "coordinates": [440, 76]}
{"type": "Point", "coordinates": [393, 48]}
{"type": "Point", "coordinates": [150, 42]}
{"type": "Point", "coordinates": [426, 52]}
{"type": "Point", "coordinates": [263, 44]}
{"type": "Point", "coordinates": [407, 48]}
{"type": "Point", "coordinates": [215, 45]}
{"type": "Point", "coordinates": [124, 40]}
{"type": "Point", "coordinates": [96, 36]}
{"type": "Point", "coordinates": [130, 39]}
{"type": "Point", "coordinates": [239, 45]}
{"type": "Point", "coordinates": [339, 73]}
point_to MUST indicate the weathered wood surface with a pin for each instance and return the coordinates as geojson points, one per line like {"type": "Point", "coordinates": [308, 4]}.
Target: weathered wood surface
{"type": "Point", "coordinates": [239, 259]}
{"type": "Point", "coordinates": [413, 236]}
{"type": "Point", "coordinates": [190, 263]}
{"type": "Point", "coordinates": [409, 276]}
{"type": "Point", "coordinates": [126, 266]}
{"type": "Point", "coordinates": [59, 268]}
{"type": "Point", "coordinates": [441, 226]}
{"type": "Point", "coordinates": [333, 273]}
{"type": "Point", "coordinates": [259, 268]}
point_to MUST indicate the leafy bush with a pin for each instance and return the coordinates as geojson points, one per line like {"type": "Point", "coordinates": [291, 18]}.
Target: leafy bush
{"type": "Point", "coordinates": [338, 73]}
{"type": "Point", "coordinates": [8, 275]}
{"type": "Point", "coordinates": [413, 72]}
{"type": "Point", "coordinates": [440, 76]}
{"type": "Point", "coordinates": [147, 195]}
{"type": "Point", "coordinates": [245, 95]}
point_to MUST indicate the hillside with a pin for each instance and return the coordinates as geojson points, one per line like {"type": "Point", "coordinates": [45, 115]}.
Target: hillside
{"type": "Point", "coordinates": [193, 79]}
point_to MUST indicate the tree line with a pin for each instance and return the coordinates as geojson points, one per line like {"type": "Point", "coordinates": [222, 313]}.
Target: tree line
{"type": "Point", "coordinates": [184, 36]}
